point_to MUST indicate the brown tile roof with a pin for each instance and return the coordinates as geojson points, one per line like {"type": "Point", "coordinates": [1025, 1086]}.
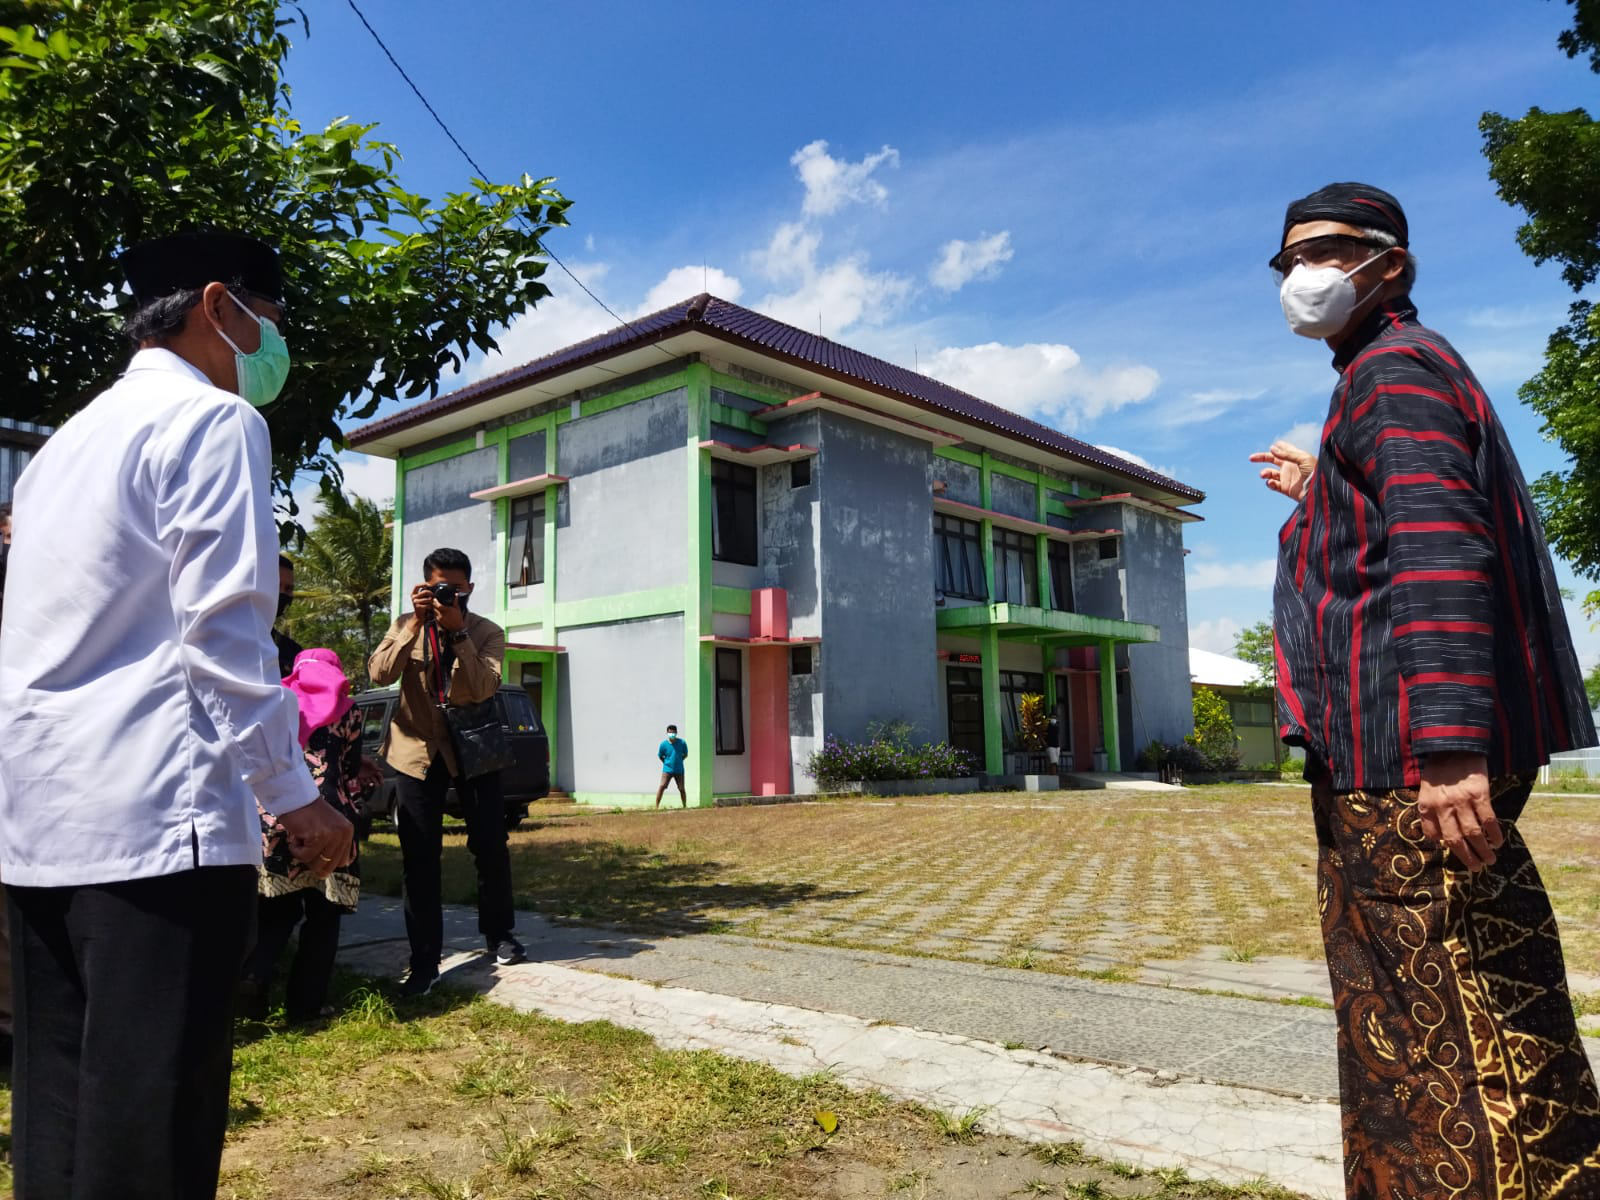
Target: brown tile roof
{"type": "Point", "coordinates": [739, 325]}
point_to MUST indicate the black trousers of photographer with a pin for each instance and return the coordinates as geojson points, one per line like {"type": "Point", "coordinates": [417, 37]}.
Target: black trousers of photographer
{"type": "Point", "coordinates": [420, 814]}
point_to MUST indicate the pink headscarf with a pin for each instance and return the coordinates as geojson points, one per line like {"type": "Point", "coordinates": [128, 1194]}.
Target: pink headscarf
{"type": "Point", "coordinates": [319, 683]}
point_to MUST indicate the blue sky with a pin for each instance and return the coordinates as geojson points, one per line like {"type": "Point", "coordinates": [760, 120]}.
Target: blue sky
{"type": "Point", "coordinates": [1064, 208]}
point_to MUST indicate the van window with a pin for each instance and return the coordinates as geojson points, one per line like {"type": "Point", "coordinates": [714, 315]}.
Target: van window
{"type": "Point", "coordinates": [372, 722]}
{"type": "Point", "coordinates": [519, 711]}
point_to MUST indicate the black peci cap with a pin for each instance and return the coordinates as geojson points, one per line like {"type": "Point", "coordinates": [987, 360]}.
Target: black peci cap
{"type": "Point", "coordinates": [192, 260]}
{"type": "Point", "coordinates": [1358, 204]}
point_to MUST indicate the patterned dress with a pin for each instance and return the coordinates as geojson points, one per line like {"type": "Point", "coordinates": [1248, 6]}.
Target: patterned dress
{"type": "Point", "coordinates": [334, 756]}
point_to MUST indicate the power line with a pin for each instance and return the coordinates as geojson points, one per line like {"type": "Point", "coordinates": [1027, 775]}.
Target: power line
{"type": "Point", "coordinates": [482, 174]}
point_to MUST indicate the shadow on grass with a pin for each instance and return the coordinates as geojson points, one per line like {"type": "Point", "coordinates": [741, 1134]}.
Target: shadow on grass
{"type": "Point", "coordinates": [597, 881]}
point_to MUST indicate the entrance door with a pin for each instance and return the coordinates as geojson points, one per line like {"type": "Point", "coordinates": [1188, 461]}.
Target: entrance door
{"type": "Point", "coordinates": [964, 702]}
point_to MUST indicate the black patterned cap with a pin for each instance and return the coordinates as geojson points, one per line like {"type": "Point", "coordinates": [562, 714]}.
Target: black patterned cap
{"type": "Point", "coordinates": [192, 260]}
{"type": "Point", "coordinates": [1351, 204]}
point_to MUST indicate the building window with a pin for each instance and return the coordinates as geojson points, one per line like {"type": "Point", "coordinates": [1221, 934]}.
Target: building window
{"type": "Point", "coordinates": [730, 702]}
{"type": "Point", "coordinates": [960, 557]}
{"type": "Point", "coordinates": [800, 473]}
{"type": "Point", "coordinates": [1013, 686]}
{"type": "Point", "coordinates": [1108, 548]}
{"type": "Point", "coordinates": [1016, 568]}
{"type": "Point", "coordinates": [800, 660]}
{"type": "Point", "coordinates": [733, 513]}
{"type": "Point", "coordinates": [1251, 712]}
{"type": "Point", "coordinates": [1061, 577]}
{"type": "Point", "coordinates": [964, 704]}
{"type": "Point", "coordinates": [525, 546]}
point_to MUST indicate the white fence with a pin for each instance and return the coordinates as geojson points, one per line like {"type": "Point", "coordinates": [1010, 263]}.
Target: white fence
{"type": "Point", "coordinates": [1586, 762]}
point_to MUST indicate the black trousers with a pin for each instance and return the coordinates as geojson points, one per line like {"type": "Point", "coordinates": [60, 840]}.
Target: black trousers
{"type": "Point", "coordinates": [124, 998]}
{"type": "Point", "coordinates": [420, 811]}
{"type": "Point", "coordinates": [311, 971]}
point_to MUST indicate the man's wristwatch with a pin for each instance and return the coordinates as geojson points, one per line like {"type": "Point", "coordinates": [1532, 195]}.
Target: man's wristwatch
{"type": "Point", "coordinates": [457, 635]}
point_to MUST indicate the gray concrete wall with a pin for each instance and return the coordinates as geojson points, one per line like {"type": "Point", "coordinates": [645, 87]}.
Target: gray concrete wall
{"type": "Point", "coordinates": [619, 687]}
{"type": "Point", "coordinates": [439, 512]}
{"type": "Point", "coordinates": [963, 484]}
{"type": "Point", "coordinates": [621, 524]}
{"type": "Point", "coordinates": [1013, 497]}
{"type": "Point", "coordinates": [878, 660]}
{"type": "Point", "coordinates": [1161, 703]}
{"type": "Point", "coordinates": [1098, 584]}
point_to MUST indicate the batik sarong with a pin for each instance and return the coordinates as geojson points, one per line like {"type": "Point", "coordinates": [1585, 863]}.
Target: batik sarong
{"type": "Point", "coordinates": [1461, 1073]}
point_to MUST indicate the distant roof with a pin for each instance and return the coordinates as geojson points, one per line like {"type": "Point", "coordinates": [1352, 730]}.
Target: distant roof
{"type": "Point", "coordinates": [730, 322]}
{"type": "Point", "coordinates": [1218, 670]}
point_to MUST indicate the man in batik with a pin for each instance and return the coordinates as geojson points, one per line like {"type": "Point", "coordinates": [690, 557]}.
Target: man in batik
{"type": "Point", "coordinates": [1425, 666]}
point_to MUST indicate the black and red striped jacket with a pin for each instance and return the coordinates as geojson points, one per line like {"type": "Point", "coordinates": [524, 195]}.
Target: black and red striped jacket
{"type": "Point", "coordinates": [1416, 609]}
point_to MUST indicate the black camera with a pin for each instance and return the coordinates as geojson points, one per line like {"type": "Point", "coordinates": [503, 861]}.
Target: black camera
{"type": "Point", "coordinates": [444, 593]}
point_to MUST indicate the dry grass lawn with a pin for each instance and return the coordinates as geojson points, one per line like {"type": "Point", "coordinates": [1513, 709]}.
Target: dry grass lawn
{"type": "Point", "coordinates": [1085, 882]}
{"type": "Point", "coordinates": [456, 1098]}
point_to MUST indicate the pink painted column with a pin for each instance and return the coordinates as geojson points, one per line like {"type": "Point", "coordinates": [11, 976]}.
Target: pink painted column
{"type": "Point", "coordinates": [769, 694]}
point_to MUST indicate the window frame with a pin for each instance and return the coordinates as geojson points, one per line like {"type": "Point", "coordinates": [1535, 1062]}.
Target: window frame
{"type": "Point", "coordinates": [1023, 549]}
{"type": "Point", "coordinates": [735, 685]}
{"type": "Point", "coordinates": [1060, 555]}
{"type": "Point", "coordinates": [530, 572]}
{"type": "Point", "coordinates": [959, 546]}
{"type": "Point", "coordinates": [731, 521]}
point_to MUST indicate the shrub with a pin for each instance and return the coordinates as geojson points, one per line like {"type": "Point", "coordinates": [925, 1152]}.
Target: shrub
{"type": "Point", "coordinates": [888, 753]}
{"type": "Point", "coordinates": [1035, 722]}
{"type": "Point", "coordinates": [1213, 735]}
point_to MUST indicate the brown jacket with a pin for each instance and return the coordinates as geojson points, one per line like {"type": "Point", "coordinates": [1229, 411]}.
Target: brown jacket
{"type": "Point", "coordinates": [418, 730]}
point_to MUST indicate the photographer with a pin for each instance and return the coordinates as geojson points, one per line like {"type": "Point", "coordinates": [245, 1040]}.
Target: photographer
{"type": "Point", "coordinates": [444, 656]}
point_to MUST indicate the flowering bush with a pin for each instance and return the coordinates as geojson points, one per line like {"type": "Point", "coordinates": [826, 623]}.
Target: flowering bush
{"type": "Point", "coordinates": [888, 753]}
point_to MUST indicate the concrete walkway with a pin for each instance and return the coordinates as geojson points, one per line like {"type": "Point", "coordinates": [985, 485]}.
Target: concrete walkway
{"type": "Point", "coordinates": [1228, 1089]}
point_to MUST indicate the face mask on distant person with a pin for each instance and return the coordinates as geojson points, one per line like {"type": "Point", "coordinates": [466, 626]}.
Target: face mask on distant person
{"type": "Point", "coordinates": [1318, 301]}
{"type": "Point", "coordinates": [261, 375]}
{"type": "Point", "coordinates": [284, 600]}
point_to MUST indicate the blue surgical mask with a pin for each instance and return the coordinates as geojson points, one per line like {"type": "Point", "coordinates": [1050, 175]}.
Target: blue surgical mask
{"type": "Point", "coordinates": [261, 375]}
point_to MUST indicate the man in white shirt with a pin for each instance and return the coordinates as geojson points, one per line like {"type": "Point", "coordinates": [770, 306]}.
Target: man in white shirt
{"type": "Point", "coordinates": [141, 719]}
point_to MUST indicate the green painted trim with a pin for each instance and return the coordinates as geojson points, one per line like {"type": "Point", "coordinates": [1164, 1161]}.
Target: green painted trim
{"type": "Point", "coordinates": [1022, 473]}
{"type": "Point", "coordinates": [994, 748]}
{"type": "Point", "coordinates": [427, 458]}
{"type": "Point", "coordinates": [1045, 623]}
{"type": "Point", "coordinates": [596, 405]}
{"type": "Point", "coordinates": [984, 498]}
{"type": "Point", "coordinates": [731, 600]}
{"type": "Point", "coordinates": [397, 540]}
{"type": "Point", "coordinates": [737, 418]}
{"type": "Point", "coordinates": [1108, 706]}
{"type": "Point", "coordinates": [750, 391]}
{"type": "Point", "coordinates": [550, 710]}
{"type": "Point", "coordinates": [1056, 508]}
{"type": "Point", "coordinates": [624, 606]}
{"type": "Point", "coordinates": [699, 659]}
{"type": "Point", "coordinates": [956, 454]}
{"type": "Point", "coordinates": [544, 421]}
{"type": "Point", "coordinates": [1047, 664]}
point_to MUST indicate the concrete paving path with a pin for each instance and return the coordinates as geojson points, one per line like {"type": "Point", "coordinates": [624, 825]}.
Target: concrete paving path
{"type": "Point", "coordinates": [1229, 1089]}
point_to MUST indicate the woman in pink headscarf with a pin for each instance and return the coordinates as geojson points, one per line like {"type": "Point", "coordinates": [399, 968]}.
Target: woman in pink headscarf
{"type": "Point", "coordinates": [330, 735]}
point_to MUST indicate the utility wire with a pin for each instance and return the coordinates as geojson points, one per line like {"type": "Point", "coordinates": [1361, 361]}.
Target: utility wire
{"type": "Point", "coordinates": [482, 174]}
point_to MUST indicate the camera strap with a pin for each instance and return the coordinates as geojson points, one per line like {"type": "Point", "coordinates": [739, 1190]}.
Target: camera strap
{"type": "Point", "coordinates": [433, 663]}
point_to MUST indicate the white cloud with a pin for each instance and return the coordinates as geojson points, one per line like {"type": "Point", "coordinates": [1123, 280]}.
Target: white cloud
{"type": "Point", "coordinates": [1198, 407]}
{"type": "Point", "coordinates": [1203, 574]}
{"type": "Point", "coordinates": [1042, 380]}
{"type": "Point", "coordinates": [839, 295]}
{"type": "Point", "coordinates": [1307, 435]}
{"type": "Point", "coordinates": [961, 262]}
{"type": "Point", "coordinates": [831, 183]}
{"type": "Point", "coordinates": [1216, 636]}
{"type": "Point", "coordinates": [368, 476]}
{"type": "Point", "coordinates": [568, 316]}
{"type": "Point", "coordinates": [1137, 460]}
{"type": "Point", "coordinates": [682, 282]}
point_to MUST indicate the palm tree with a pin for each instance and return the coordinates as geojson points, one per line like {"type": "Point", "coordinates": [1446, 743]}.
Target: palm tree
{"type": "Point", "coordinates": [342, 580]}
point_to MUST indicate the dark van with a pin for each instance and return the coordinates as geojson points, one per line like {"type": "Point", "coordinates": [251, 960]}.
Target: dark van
{"type": "Point", "coordinates": [527, 781]}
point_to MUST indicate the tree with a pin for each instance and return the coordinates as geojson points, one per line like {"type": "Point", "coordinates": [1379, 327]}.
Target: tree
{"type": "Point", "coordinates": [342, 581]}
{"type": "Point", "coordinates": [1213, 734]}
{"type": "Point", "coordinates": [1591, 685]}
{"type": "Point", "coordinates": [1254, 646]}
{"type": "Point", "coordinates": [1548, 165]}
{"type": "Point", "coordinates": [128, 120]}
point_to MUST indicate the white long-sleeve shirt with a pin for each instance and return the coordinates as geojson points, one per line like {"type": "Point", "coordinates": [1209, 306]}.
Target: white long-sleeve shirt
{"type": "Point", "coordinates": [141, 714]}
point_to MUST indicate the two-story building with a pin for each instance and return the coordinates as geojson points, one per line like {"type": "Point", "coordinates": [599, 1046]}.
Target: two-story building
{"type": "Point", "coordinates": [710, 518]}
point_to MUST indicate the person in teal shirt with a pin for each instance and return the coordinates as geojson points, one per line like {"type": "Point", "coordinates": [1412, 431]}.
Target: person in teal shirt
{"type": "Point", "coordinates": [672, 751]}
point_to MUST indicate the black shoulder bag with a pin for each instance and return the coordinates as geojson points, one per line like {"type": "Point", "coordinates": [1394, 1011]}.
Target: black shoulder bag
{"type": "Point", "coordinates": [476, 733]}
